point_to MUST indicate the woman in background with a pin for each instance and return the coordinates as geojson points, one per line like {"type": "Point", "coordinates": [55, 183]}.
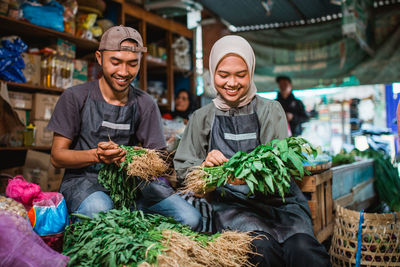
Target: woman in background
{"type": "Point", "coordinates": [174, 123]}
{"type": "Point", "coordinates": [184, 106]}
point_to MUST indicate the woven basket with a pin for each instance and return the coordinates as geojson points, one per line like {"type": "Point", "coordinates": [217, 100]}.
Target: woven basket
{"type": "Point", "coordinates": [380, 239]}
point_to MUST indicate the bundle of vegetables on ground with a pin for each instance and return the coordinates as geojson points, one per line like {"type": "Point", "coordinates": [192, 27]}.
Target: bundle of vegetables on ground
{"type": "Point", "coordinates": [268, 169]}
{"type": "Point", "coordinates": [121, 237]}
{"type": "Point", "coordinates": [146, 164]}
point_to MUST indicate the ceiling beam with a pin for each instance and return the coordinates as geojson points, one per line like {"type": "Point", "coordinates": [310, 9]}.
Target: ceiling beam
{"type": "Point", "coordinates": [149, 17]}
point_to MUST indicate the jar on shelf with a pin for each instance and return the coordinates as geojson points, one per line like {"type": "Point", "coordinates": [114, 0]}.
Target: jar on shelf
{"type": "Point", "coordinates": [29, 135]}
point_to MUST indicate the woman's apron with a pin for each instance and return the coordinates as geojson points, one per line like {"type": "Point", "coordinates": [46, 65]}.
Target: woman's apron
{"type": "Point", "coordinates": [100, 122]}
{"type": "Point", "coordinates": [232, 207]}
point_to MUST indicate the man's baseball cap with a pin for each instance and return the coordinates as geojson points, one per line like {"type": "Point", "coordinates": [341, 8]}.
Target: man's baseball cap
{"type": "Point", "coordinates": [283, 77]}
{"type": "Point", "coordinates": [113, 37]}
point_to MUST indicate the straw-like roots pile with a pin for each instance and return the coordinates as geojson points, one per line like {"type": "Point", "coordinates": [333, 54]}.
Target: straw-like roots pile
{"type": "Point", "coordinates": [230, 249]}
{"type": "Point", "coordinates": [147, 165]}
{"type": "Point", "coordinates": [195, 182]}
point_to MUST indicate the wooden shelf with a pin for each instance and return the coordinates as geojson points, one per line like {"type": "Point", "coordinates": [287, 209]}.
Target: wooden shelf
{"type": "Point", "coordinates": [163, 105]}
{"type": "Point", "coordinates": [33, 88]}
{"type": "Point", "coordinates": [154, 19]}
{"type": "Point", "coordinates": [20, 148]}
{"type": "Point", "coordinates": [23, 28]}
{"type": "Point", "coordinates": [181, 70]}
{"type": "Point", "coordinates": [153, 62]}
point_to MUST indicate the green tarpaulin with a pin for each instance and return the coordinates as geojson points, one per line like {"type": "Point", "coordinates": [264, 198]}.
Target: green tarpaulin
{"type": "Point", "coordinates": [320, 56]}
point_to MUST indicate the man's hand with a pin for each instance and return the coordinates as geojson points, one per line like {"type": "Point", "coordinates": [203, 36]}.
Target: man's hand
{"type": "Point", "coordinates": [214, 158]}
{"type": "Point", "coordinates": [289, 116]}
{"type": "Point", "coordinates": [109, 152]}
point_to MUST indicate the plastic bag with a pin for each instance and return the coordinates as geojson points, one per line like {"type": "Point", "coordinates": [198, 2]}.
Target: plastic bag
{"type": "Point", "coordinates": [11, 61]}
{"type": "Point", "coordinates": [173, 131]}
{"type": "Point", "coordinates": [22, 191]}
{"type": "Point", "coordinates": [49, 16]}
{"type": "Point", "coordinates": [49, 215]}
{"type": "Point", "coordinates": [47, 211]}
{"type": "Point", "coordinates": [20, 246]}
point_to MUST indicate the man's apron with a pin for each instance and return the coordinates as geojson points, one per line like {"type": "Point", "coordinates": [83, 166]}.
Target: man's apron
{"type": "Point", "coordinates": [100, 122]}
{"type": "Point", "coordinates": [232, 207]}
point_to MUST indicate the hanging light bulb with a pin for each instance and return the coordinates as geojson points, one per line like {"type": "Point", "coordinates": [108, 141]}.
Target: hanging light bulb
{"type": "Point", "coordinates": [267, 4]}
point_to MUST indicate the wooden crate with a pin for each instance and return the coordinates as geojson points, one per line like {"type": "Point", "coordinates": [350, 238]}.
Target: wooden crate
{"type": "Point", "coordinates": [319, 186]}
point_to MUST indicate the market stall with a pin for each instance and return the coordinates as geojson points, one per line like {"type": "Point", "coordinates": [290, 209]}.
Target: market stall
{"type": "Point", "coordinates": [340, 59]}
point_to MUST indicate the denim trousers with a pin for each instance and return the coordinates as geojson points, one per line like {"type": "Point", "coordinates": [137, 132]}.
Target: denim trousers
{"type": "Point", "coordinates": [176, 207]}
{"type": "Point", "coordinates": [173, 206]}
{"type": "Point", "coordinates": [94, 203]}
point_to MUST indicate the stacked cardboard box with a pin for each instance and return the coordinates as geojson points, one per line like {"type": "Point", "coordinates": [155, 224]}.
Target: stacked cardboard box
{"type": "Point", "coordinates": [43, 107]}
{"type": "Point", "coordinates": [22, 104]}
{"type": "Point", "coordinates": [39, 170]}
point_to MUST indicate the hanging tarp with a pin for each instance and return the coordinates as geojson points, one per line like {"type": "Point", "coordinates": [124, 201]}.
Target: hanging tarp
{"type": "Point", "coordinates": [320, 56]}
{"type": "Point", "coordinates": [356, 22]}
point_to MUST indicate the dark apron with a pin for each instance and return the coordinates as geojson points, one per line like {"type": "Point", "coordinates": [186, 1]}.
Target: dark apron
{"type": "Point", "coordinates": [100, 122]}
{"type": "Point", "coordinates": [232, 207]}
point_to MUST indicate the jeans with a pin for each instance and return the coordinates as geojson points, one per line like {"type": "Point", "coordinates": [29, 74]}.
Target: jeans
{"type": "Point", "coordinates": [176, 207]}
{"type": "Point", "coordinates": [94, 203]}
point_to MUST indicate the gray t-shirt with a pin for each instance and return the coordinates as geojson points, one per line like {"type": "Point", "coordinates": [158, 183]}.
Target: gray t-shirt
{"type": "Point", "coordinates": [66, 119]}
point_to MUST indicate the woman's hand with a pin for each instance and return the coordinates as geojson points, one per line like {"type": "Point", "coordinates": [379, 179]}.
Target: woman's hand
{"type": "Point", "coordinates": [214, 158]}
{"type": "Point", "coordinates": [109, 152]}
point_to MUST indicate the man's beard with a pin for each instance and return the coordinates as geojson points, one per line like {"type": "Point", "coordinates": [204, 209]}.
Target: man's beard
{"type": "Point", "coordinates": [109, 82]}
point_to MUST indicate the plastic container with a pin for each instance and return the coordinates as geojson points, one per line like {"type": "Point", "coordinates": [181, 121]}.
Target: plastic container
{"type": "Point", "coordinates": [29, 135]}
{"type": "Point", "coordinates": [54, 241]}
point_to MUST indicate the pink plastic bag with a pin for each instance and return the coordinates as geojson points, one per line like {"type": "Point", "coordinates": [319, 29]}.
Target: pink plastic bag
{"type": "Point", "coordinates": [23, 191]}
{"type": "Point", "coordinates": [47, 211]}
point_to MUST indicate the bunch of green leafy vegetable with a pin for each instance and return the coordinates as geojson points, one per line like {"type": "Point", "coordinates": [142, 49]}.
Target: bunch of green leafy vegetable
{"type": "Point", "coordinates": [121, 237]}
{"type": "Point", "coordinates": [268, 169]}
{"type": "Point", "coordinates": [343, 158]}
{"type": "Point", "coordinates": [122, 187]}
{"type": "Point", "coordinates": [386, 176]}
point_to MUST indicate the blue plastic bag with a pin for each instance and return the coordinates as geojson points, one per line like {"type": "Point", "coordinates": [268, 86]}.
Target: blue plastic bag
{"type": "Point", "coordinates": [11, 62]}
{"type": "Point", "coordinates": [49, 216]}
{"type": "Point", "coordinates": [49, 15]}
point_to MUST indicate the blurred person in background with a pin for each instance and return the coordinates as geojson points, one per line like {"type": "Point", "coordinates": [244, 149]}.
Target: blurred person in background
{"type": "Point", "coordinates": [174, 123]}
{"type": "Point", "coordinates": [184, 106]}
{"type": "Point", "coordinates": [295, 112]}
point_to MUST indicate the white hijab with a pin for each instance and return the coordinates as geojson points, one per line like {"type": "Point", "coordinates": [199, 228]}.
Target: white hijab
{"type": "Point", "coordinates": [239, 46]}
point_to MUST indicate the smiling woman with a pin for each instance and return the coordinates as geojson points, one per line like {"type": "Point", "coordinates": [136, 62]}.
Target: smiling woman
{"type": "Point", "coordinates": [232, 79]}
{"type": "Point", "coordinates": [238, 120]}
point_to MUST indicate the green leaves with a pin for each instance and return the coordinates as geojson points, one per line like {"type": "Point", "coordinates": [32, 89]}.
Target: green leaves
{"type": "Point", "coordinates": [122, 187]}
{"type": "Point", "coordinates": [268, 168]}
{"type": "Point", "coordinates": [134, 238]}
{"type": "Point", "coordinates": [295, 159]}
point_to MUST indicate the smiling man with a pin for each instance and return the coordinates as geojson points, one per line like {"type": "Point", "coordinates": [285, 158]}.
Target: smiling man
{"type": "Point", "coordinates": [92, 119]}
